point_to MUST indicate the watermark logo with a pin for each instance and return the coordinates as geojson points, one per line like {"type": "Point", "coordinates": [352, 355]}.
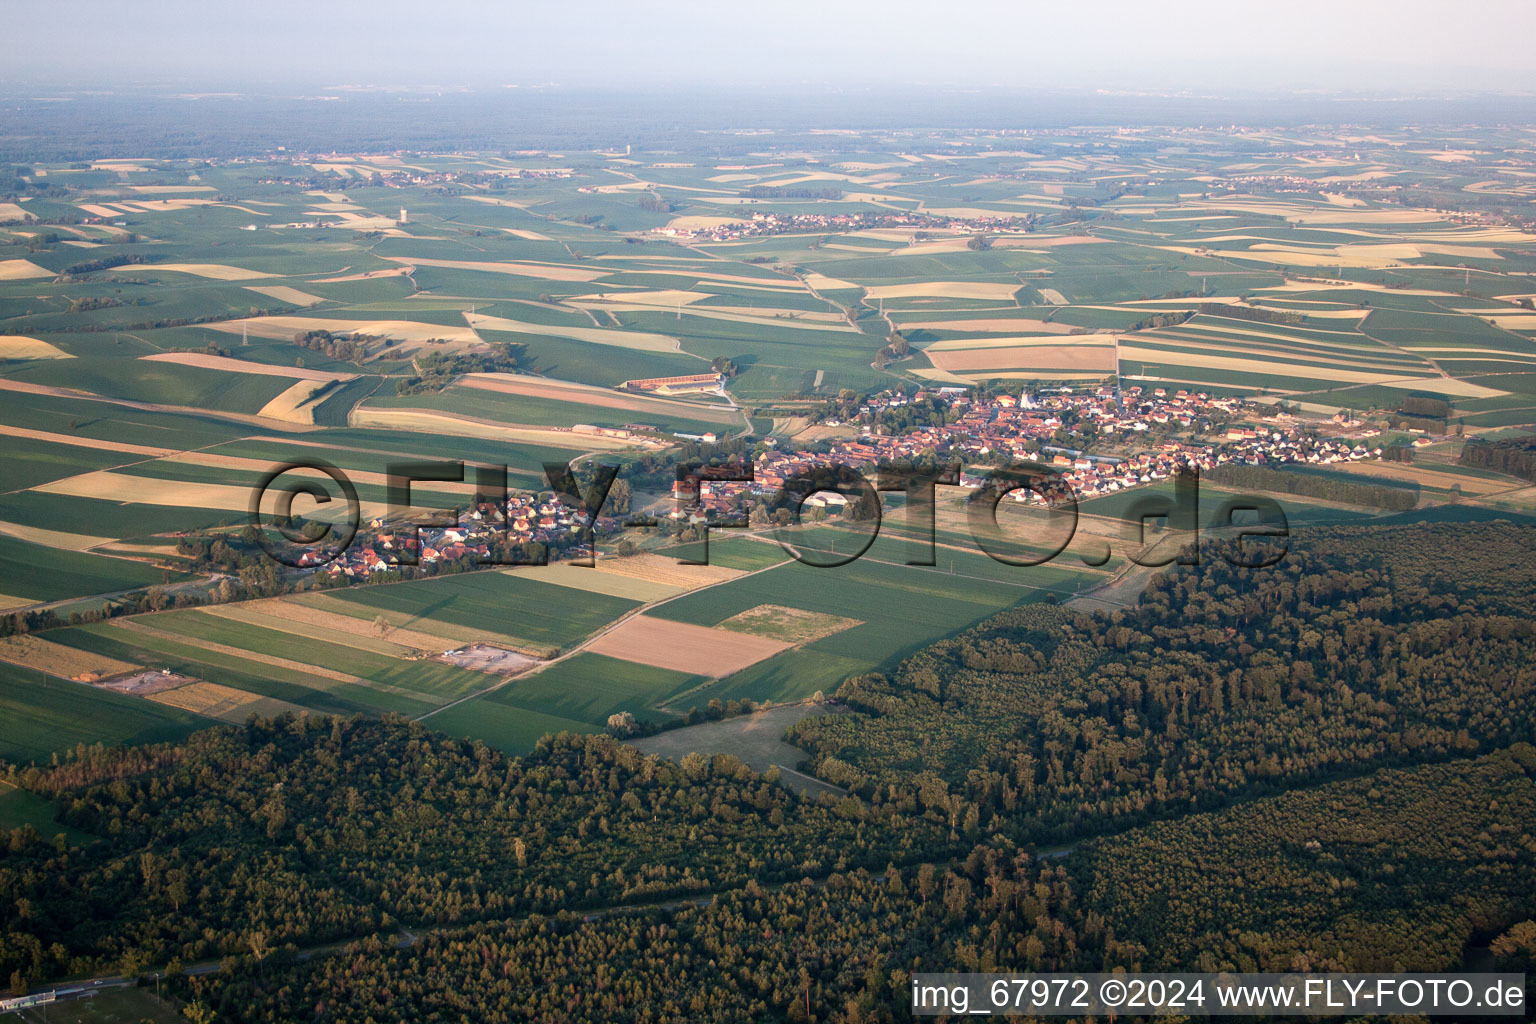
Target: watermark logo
{"type": "Point", "coordinates": [1256, 524]}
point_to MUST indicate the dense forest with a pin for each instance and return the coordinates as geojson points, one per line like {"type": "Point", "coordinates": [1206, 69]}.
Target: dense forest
{"type": "Point", "coordinates": [1346, 733]}
{"type": "Point", "coordinates": [1337, 864]}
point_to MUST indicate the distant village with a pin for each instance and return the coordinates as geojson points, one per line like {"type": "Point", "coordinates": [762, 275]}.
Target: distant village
{"type": "Point", "coordinates": [1143, 435]}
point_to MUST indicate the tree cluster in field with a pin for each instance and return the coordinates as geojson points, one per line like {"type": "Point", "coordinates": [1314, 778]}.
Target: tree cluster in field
{"type": "Point", "coordinates": [1513, 455]}
{"type": "Point", "coordinates": [351, 348]}
{"type": "Point", "coordinates": [1258, 314]}
{"type": "Point", "coordinates": [436, 370]}
{"type": "Point", "coordinates": [1306, 485]}
{"type": "Point", "coordinates": [654, 202]}
{"type": "Point", "coordinates": [105, 263]}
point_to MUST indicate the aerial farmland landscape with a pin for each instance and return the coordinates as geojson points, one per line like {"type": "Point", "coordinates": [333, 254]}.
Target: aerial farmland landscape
{"type": "Point", "coordinates": [695, 552]}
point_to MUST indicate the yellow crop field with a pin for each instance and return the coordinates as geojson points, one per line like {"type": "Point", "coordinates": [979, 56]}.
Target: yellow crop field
{"type": "Point", "coordinates": [290, 405]}
{"type": "Point", "coordinates": [224, 703]}
{"type": "Point", "coordinates": [214, 271]}
{"type": "Point", "coordinates": [21, 270]}
{"type": "Point", "coordinates": [683, 647]}
{"type": "Point", "coordinates": [547, 271]}
{"type": "Point", "coordinates": [212, 362]}
{"type": "Point", "coordinates": [57, 660]}
{"type": "Point", "coordinates": [639, 341]}
{"type": "Point", "coordinates": [668, 571]}
{"type": "Point", "coordinates": [464, 426]}
{"type": "Point", "coordinates": [1001, 291]}
{"type": "Point", "coordinates": [283, 293]}
{"type": "Point", "coordinates": [1093, 358]}
{"type": "Point", "coordinates": [592, 581]}
{"type": "Point", "coordinates": [14, 346]}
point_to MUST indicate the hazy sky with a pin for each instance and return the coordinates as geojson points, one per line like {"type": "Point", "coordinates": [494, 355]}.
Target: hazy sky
{"type": "Point", "coordinates": [1375, 45]}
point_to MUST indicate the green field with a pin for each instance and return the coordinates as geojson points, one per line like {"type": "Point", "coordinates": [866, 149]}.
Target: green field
{"type": "Point", "coordinates": [539, 614]}
{"type": "Point", "coordinates": [576, 695]}
{"type": "Point", "coordinates": [41, 716]}
{"type": "Point", "coordinates": [50, 574]}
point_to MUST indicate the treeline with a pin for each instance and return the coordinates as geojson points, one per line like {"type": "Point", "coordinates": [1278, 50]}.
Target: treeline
{"type": "Point", "coordinates": [1306, 485]}
{"type": "Point", "coordinates": [105, 263]}
{"type": "Point", "coordinates": [1513, 455]}
{"type": "Point", "coordinates": [1259, 314]}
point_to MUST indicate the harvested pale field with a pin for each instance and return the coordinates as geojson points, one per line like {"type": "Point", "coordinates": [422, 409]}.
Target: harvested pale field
{"type": "Point", "coordinates": [161, 189]}
{"type": "Point", "coordinates": [1052, 296]}
{"type": "Point", "coordinates": [760, 283]}
{"type": "Point", "coordinates": [303, 620]}
{"type": "Point", "coordinates": [820, 282]}
{"type": "Point", "coordinates": [1266, 366]}
{"type": "Point", "coordinates": [544, 271]}
{"type": "Point", "coordinates": [943, 377]}
{"type": "Point", "coordinates": [242, 612]}
{"type": "Point", "coordinates": [666, 298]}
{"type": "Point", "coordinates": [211, 362]}
{"type": "Point", "coordinates": [1002, 325]}
{"type": "Point", "coordinates": [224, 703]}
{"type": "Point", "coordinates": [1426, 477]}
{"type": "Point", "coordinates": [97, 210]}
{"type": "Point", "coordinates": [146, 490]}
{"type": "Point", "coordinates": [283, 328]}
{"type": "Point", "coordinates": [10, 211]}
{"type": "Point", "coordinates": [1447, 386]}
{"type": "Point", "coordinates": [701, 223]}
{"type": "Point", "coordinates": [450, 425]}
{"type": "Point", "coordinates": [683, 647]}
{"type": "Point", "coordinates": [593, 581]}
{"type": "Point", "coordinates": [1341, 286]}
{"type": "Point", "coordinates": [283, 293]}
{"type": "Point", "coordinates": [294, 404]}
{"type": "Point", "coordinates": [53, 538]}
{"type": "Point", "coordinates": [945, 290]}
{"type": "Point", "coordinates": [795, 626]}
{"type": "Point", "coordinates": [358, 476]}
{"type": "Point", "coordinates": [1094, 358]}
{"type": "Point", "coordinates": [57, 660]}
{"type": "Point", "coordinates": [928, 248]}
{"type": "Point", "coordinates": [214, 271]}
{"type": "Point", "coordinates": [796, 319]}
{"type": "Point", "coordinates": [639, 341]}
{"type": "Point", "coordinates": [21, 270]}
{"type": "Point", "coordinates": [1509, 321]}
{"type": "Point", "coordinates": [9, 603]}
{"type": "Point", "coordinates": [1022, 341]}
{"type": "Point", "coordinates": [165, 205]}
{"type": "Point", "coordinates": [14, 346]}
{"type": "Point", "coordinates": [368, 276]}
{"type": "Point", "coordinates": [604, 398]}
{"type": "Point", "coordinates": [668, 571]}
